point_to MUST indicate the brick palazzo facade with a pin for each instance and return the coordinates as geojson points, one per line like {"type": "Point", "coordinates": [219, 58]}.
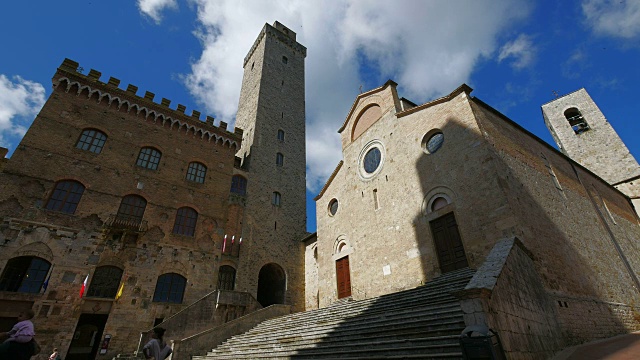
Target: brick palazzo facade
{"type": "Point", "coordinates": [150, 206]}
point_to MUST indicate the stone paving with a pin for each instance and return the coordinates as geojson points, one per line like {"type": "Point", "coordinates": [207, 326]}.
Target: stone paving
{"type": "Point", "coordinates": [624, 347]}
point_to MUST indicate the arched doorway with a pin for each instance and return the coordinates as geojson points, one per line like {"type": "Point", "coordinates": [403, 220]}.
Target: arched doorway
{"type": "Point", "coordinates": [271, 285]}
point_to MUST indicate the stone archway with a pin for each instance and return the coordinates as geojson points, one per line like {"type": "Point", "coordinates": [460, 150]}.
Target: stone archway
{"type": "Point", "coordinates": [272, 282]}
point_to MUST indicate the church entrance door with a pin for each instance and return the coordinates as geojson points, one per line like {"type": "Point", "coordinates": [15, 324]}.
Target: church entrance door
{"type": "Point", "coordinates": [272, 283]}
{"type": "Point", "coordinates": [448, 243]}
{"type": "Point", "coordinates": [344, 278]}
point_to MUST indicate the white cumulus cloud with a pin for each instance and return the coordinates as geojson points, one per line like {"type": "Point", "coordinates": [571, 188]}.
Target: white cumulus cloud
{"type": "Point", "coordinates": [153, 8]}
{"type": "Point", "coordinates": [20, 101]}
{"type": "Point", "coordinates": [521, 50]}
{"type": "Point", "coordinates": [613, 17]}
{"type": "Point", "coordinates": [429, 48]}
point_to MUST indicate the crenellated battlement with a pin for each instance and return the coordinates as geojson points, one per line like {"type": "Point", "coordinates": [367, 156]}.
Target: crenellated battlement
{"type": "Point", "coordinates": [110, 91]}
{"type": "Point", "coordinates": [283, 34]}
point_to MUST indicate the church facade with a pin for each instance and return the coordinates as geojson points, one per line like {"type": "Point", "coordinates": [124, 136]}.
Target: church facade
{"type": "Point", "coordinates": [423, 190]}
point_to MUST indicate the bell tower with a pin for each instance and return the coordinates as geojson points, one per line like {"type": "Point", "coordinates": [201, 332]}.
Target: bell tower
{"type": "Point", "coordinates": [272, 113]}
{"type": "Point", "coordinates": [584, 134]}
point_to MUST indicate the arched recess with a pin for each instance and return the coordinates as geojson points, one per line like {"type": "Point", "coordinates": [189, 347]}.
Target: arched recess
{"type": "Point", "coordinates": [432, 202]}
{"type": "Point", "coordinates": [366, 118]}
{"type": "Point", "coordinates": [272, 284]}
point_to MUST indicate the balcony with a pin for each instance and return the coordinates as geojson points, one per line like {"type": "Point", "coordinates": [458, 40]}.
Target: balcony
{"type": "Point", "coordinates": [126, 223]}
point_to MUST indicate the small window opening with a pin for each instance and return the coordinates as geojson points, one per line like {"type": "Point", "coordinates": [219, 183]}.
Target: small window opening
{"type": "Point", "coordinates": [275, 199]}
{"type": "Point", "coordinates": [279, 159]}
{"type": "Point", "coordinates": [275, 225]}
{"type": "Point", "coordinates": [375, 199]}
{"type": "Point", "coordinates": [252, 64]}
{"type": "Point", "coordinates": [576, 121]}
{"type": "Point", "coordinates": [285, 60]}
{"type": "Point", "coordinates": [281, 135]}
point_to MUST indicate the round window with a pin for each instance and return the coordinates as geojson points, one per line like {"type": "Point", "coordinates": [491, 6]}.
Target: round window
{"type": "Point", "coordinates": [432, 142]}
{"type": "Point", "coordinates": [372, 160]}
{"type": "Point", "coordinates": [333, 207]}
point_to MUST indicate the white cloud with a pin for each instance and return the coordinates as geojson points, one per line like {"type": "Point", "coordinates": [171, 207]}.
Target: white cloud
{"type": "Point", "coordinates": [429, 48]}
{"type": "Point", "coordinates": [521, 50]}
{"type": "Point", "coordinates": [613, 17]}
{"type": "Point", "coordinates": [153, 8]}
{"type": "Point", "coordinates": [20, 101]}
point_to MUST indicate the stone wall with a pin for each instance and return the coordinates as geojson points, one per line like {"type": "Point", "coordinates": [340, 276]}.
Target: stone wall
{"type": "Point", "coordinates": [217, 307]}
{"type": "Point", "coordinates": [507, 294]}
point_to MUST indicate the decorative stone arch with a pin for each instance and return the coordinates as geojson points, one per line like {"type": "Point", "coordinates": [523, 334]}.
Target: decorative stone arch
{"type": "Point", "coordinates": [434, 197]}
{"type": "Point", "coordinates": [37, 249]}
{"type": "Point", "coordinates": [341, 247]}
{"type": "Point", "coordinates": [173, 267]}
{"type": "Point", "coordinates": [272, 285]}
{"type": "Point", "coordinates": [111, 261]}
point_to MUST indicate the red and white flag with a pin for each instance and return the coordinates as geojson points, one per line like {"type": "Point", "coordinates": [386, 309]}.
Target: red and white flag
{"type": "Point", "coordinates": [84, 285]}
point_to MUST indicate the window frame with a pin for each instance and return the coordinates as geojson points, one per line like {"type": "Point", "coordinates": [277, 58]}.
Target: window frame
{"type": "Point", "coordinates": [279, 159]}
{"type": "Point", "coordinates": [196, 172]}
{"type": "Point", "coordinates": [185, 222]}
{"type": "Point", "coordinates": [151, 160]}
{"type": "Point", "coordinates": [239, 185]}
{"type": "Point", "coordinates": [62, 200]}
{"type": "Point", "coordinates": [166, 293]}
{"type": "Point", "coordinates": [103, 284]}
{"type": "Point", "coordinates": [91, 140]}
{"type": "Point", "coordinates": [280, 136]}
{"type": "Point", "coordinates": [226, 276]}
{"type": "Point", "coordinates": [21, 278]}
{"type": "Point", "coordinates": [133, 210]}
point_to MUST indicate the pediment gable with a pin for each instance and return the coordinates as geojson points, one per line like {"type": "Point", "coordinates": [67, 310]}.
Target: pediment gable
{"type": "Point", "coordinates": [367, 109]}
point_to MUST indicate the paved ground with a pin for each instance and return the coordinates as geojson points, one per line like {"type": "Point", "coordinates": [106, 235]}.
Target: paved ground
{"type": "Point", "coordinates": [624, 347]}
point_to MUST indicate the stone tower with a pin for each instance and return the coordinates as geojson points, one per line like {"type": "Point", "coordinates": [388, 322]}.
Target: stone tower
{"type": "Point", "coordinates": [584, 134]}
{"type": "Point", "coordinates": [272, 113]}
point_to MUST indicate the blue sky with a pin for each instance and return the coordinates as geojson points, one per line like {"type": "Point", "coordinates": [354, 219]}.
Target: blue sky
{"type": "Point", "coordinates": [514, 54]}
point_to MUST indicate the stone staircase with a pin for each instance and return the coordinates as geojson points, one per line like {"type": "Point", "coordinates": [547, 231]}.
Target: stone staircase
{"type": "Point", "coordinates": [421, 323]}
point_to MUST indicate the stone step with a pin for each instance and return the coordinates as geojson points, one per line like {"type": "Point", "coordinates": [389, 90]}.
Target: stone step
{"type": "Point", "coordinates": [344, 329]}
{"type": "Point", "coordinates": [364, 350]}
{"type": "Point", "coordinates": [426, 312]}
{"type": "Point", "coordinates": [420, 323]}
{"type": "Point", "coordinates": [337, 344]}
{"type": "Point", "coordinates": [355, 306]}
{"type": "Point", "coordinates": [409, 331]}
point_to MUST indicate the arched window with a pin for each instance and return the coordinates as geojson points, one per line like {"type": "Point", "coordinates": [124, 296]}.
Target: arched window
{"type": "Point", "coordinates": [170, 288]}
{"type": "Point", "coordinates": [185, 223]}
{"type": "Point", "coordinates": [131, 210]}
{"type": "Point", "coordinates": [24, 274]}
{"type": "Point", "coordinates": [279, 159]}
{"type": "Point", "coordinates": [65, 196]}
{"type": "Point", "coordinates": [196, 172]}
{"type": "Point", "coordinates": [280, 135]}
{"type": "Point", "coordinates": [239, 185]}
{"type": "Point", "coordinates": [149, 158]}
{"type": "Point", "coordinates": [226, 277]}
{"type": "Point", "coordinates": [275, 199]}
{"type": "Point", "coordinates": [91, 140]}
{"type": "Point", "coordinates": [576, 121]}
{"type": "Point", "coordinates": [105, 282]}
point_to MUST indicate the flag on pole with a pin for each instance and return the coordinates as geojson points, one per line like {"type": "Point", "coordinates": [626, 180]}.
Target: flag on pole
{"type": "Point", "coordinates": [84, 285]}
{"type": "Point", "coordinates": [46, 282]}
{"type": "Point", "coordinates": [224, 244]}
{"type": "Point", "coordinates": [120, 290]}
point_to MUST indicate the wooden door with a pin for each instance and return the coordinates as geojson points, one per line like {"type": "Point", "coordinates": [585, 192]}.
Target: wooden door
{"type": "Point", "coordinates": [448, 243]}
{"type": "Point", "coordinates": [344, 279]}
